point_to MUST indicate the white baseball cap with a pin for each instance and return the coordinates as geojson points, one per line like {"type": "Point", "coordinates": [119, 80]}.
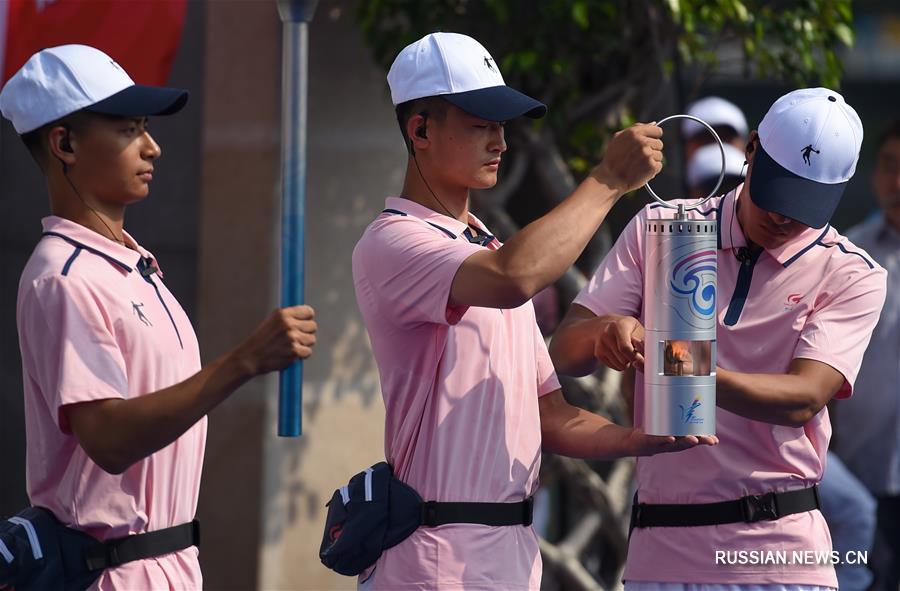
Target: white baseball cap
{"type": "Point", "coordinates": [706, 164]}
{"type": "Point", "coordinates": [717, 112]}
{"type": "Point", "coordinates": [460, 70]}
{"type": "Point", "coordinates": [808, 149]}
{"type": "Point", "coordinates": [59, 81]}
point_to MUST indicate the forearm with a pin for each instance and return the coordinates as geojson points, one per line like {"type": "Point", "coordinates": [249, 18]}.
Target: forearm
{"type": "Point", "coordinates": [572, 346]}
{"type": "Point", "coordinates": [780, 399]}
{"type": "Point", "coordinates": [574, 432]}
{"type": "Point", "coordinates": [540, 253]}
{"type": "Point", "coordinates": [118, 433]}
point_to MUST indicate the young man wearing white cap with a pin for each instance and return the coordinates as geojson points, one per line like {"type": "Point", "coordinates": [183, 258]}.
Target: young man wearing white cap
{"type": "Point", "coordinates": [470, 393]}
{"type": "Point", "coordinates": [796, 306]}
{"type": "Point", "coordinates": [115, 398]}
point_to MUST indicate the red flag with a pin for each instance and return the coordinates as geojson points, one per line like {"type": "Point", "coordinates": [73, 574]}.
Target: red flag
{"type": "Point", "coordinates": [141, 35]}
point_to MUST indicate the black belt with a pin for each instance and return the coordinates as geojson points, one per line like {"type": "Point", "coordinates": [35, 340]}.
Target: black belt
{"type": "Point", "coordinates": [436, 513]}
{"type": "Point", "coordinates": [749, 509]}
{"type": "Point", "coordinates": [140, 546]}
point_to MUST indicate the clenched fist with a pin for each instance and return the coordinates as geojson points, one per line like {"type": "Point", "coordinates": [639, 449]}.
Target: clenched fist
{"type": "Point", "coordinates": [619, 343]}
{"type": "Point", "coordinates": [633, 157]}
{"type": "Point", "coordinates": [286, 335]}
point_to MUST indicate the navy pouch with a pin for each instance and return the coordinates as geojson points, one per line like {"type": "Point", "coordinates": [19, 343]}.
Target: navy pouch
{"type": "Point", "coordinates": [374, 512]}
{"type": "Point", "coordinates": [38, 553]}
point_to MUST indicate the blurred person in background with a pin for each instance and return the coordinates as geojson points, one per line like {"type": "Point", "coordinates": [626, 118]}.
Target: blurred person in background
{"type": "Point", "coordinates": [867, 427]}
{"type": "Point", "coordinates": [705, 166]}
{"type": "Point", "coordinates": [723, 116]}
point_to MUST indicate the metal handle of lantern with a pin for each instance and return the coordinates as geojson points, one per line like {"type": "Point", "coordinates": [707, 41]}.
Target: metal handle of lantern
{"type": "Point", "coordinates": [682, 208]}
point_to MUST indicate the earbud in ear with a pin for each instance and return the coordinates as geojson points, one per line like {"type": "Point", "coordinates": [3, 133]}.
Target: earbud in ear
{"type": "Point", "coordinates": [64, 143]}
{"type": "Point", "coordinates": [750, 147]}
{"type": "Point", "coordinates": [421, 130]}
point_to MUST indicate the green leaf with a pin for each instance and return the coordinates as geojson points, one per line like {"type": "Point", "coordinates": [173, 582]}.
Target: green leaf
{"type": "Point", "coordinates": [845, 34]}
{"type": "Point", "coordinates": [580, 14]}
{"type": "Point", "coordinates": [675, 8]}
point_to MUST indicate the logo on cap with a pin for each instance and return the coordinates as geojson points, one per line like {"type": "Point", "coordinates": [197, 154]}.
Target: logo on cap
{"type": "Point", "coordinates": [487, 62]}
{"type": "Point", "coordinates": [806, 152]}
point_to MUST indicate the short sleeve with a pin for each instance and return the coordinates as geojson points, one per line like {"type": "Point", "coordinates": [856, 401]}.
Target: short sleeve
{"type": "Point", "coordinates": [71, 352]}
{"type": "Point", "coordinates": [407, 269]}
{"type": "Point", "coordinates": [838, 330]}
{"type": "Point", "coordinates": [617, 287]}
{"type": "Point", "coordinates": [547, 381]}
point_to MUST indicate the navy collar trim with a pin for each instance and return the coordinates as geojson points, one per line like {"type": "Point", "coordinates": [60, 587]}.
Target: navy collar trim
{"type": "Point", "coordinates": [473, 235]}
{"type": "Point", "coordinates": [719, 220]}
{"type": "Point", "coordinates": [442, 229]}
{"type": "Point", "coordinates": [845, 251]}
{"type": "Point", "coordinates": [124, 266]}
{"type": "Point", "coordinates": [809, 246]}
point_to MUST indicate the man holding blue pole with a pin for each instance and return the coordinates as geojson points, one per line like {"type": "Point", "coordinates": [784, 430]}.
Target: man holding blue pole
{"type": "Point", "coordinates": [115, 398]}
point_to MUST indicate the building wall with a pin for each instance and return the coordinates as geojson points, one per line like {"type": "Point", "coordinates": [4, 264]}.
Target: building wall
{"type": "Point", "coordinates": [260, 490]}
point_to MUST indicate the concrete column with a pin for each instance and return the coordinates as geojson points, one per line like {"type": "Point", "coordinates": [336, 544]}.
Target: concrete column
{"type": "Point", "coordinates": [356, 159]}
{"type": "Point", "coordinates": [260, 491]}
{"type": "Point", "coordinates": [237, 279]}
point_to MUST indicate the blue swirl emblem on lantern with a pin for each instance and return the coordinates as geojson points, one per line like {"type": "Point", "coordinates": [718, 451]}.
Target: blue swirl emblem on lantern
{"type": "Point", "coordinates": [694, 277]}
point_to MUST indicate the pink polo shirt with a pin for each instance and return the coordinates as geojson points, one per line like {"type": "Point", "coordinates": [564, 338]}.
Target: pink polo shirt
{"type": "Point", "coordinates": [461, 387]}
{"type": "Point", "coordinates": [818, 297]}
{"type": "Point", "coordinates": [91, 327]}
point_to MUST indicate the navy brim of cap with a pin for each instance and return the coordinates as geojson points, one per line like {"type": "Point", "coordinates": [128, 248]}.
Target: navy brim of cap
{"type": "Point", "coordinates": [497, 103]}
{"type": "Point", "coordinates": [775, 188]}
{"type": "Point", "coordinates": [142, 101]}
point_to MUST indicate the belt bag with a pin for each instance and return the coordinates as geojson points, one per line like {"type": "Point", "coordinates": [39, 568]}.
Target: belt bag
{"type": "Point", "coordinates": [38, 553]}
{"type": "Point", "coordinates": [376, 511]}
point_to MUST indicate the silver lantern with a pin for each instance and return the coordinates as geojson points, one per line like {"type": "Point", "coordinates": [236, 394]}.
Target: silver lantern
{"type": "Point", "coordinates": [680, 317]}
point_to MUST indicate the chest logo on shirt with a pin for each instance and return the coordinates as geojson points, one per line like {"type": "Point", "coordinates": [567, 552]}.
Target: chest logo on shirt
{"type": "Point", "coordinates": [791, 301]}
{"type": "Point", "coordinates": [136, 308]}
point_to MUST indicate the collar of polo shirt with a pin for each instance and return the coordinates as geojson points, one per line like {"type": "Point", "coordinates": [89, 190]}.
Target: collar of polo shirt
{"type": "Point", "coordinates": [732, 236]}
{"type": "Point", "coordinates": [444, 222]}
{"type": "Point", "coordinates": [124, 258]}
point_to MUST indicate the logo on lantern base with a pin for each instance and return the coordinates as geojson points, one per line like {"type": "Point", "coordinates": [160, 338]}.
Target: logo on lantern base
{"type": "Point", "coordinates": [687, 414]}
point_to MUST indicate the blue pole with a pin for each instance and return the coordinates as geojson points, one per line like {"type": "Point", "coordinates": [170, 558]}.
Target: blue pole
{"type": "Point", "coordinates": [295, 16]}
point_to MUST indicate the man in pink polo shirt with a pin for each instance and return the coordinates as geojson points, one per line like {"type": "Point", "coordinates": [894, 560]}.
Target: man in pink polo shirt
{"type": "Point", "coordinates": [797, 303]}
{"type": "Point", "coordinates": [115, 398]}
{"type": "Point", "coordinates": [470, 393]}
